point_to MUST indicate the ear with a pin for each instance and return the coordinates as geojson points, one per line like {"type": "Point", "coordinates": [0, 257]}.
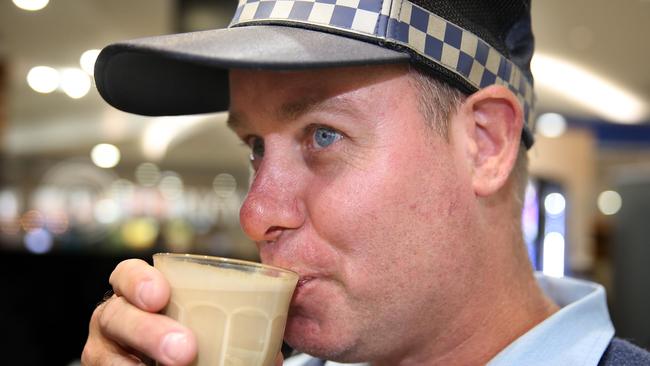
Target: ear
{"type": "Point", "coordinates": [494, 122]}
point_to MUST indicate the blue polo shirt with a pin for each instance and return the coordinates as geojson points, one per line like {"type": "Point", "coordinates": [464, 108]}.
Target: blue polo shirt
{"type": "Point", "coordinates": [577, 334]}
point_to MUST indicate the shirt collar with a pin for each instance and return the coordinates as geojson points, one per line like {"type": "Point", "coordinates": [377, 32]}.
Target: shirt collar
{"type": "Point", "coordinates": [577, 334]}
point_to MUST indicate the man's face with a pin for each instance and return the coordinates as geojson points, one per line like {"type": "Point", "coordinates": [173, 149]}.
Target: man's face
{"type": "Point", "coordinates": [354, 192]}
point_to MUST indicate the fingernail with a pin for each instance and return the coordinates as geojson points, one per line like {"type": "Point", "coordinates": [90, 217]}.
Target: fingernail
{"type": "Point", "coordinates": [175, 346]}
{"type": "Point", "coordinates": [145, 293]}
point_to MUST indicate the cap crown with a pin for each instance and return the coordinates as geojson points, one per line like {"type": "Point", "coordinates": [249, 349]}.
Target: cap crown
{"type": "Point", "coordinates": [504, 24]}
{"type": "Point", "coordinates": [468, 44]}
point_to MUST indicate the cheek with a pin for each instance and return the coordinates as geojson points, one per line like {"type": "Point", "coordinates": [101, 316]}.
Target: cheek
{"type": "Point", "coordinates": [386, 219]}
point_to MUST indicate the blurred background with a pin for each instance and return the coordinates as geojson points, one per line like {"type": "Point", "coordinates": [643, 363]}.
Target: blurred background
{"type": "Point", "coordinates": [83, 186]}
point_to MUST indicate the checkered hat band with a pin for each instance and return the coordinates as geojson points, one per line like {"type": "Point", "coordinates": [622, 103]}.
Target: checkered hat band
{"type": "Point", "coordinates": [403, 23]}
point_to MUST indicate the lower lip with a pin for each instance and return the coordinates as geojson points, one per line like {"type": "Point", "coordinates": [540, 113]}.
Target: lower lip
{"type": "Point", "coordinates": [304, 280]}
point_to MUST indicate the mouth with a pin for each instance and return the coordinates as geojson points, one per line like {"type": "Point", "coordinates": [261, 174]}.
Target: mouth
{"type": "Point", "coordinates": [304, 280]}
{"type": "Point", "coordinates": [305, 283]}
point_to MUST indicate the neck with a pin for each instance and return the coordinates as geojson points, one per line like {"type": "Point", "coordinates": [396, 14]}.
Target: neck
{"type": "Point", "coordinates": [503, 303]}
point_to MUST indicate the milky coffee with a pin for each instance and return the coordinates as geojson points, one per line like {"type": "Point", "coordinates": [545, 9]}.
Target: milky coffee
{"type": "Point", "coordinates": [236, 310]}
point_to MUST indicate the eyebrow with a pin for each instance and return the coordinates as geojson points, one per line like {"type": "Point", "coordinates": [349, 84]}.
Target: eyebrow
{"type": "Point", "coordinates": [295, 109]}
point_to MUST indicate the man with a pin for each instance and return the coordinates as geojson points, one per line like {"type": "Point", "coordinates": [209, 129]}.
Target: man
{"type": "Point", "coordinates": [388, 140]}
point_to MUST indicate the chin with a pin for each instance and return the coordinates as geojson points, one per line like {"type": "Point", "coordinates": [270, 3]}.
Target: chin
{"type": "Point", "coordinates": [306, 335]}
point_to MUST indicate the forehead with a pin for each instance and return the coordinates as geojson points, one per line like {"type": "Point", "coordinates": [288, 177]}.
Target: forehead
{"type": "Point", "coordinates": [286, 95]}
{"type": "Point", "coordinates": [325, 77]}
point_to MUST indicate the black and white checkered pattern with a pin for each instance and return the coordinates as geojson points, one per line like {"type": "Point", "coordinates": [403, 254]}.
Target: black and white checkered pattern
{"type": "Point", "coordinates": [404, 23]}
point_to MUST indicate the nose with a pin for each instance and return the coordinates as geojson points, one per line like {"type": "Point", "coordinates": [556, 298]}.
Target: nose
{"type": "Point", "coordinates": [273, 203]}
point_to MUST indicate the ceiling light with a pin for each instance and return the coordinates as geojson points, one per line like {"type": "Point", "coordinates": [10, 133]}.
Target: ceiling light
{"type": "Point", "coordinates": [171, 186]}
{"type": "Point", "coordinates": [147, 174]}
{"type": "Point", "coordinates": [87, 61]}
{"type": "Point", "coordinates": [609, 202]}
{"type": "Point", "coordinates": [161, 132]}
{"type": "Point", "coordinates": [551, 125]}
{"type": "Point", "coordinates": [75, 83]}
{"type": "Point", "coordinates": [31, 5]}
{"type": "Point", "coordinates": [555, 203]}
{"type": "Point", "coordinates": [224, 185]}
{"type": "Point", "coordinates": [43, 79]}
{"type": "Point", "coordinates": [553, 255]}
{"type": "Point", "coordinates": [592, 91]}
{"type": "Point", "coordinates": [107, 211]}
{"type": "Point", "coordinates": [105, 155]}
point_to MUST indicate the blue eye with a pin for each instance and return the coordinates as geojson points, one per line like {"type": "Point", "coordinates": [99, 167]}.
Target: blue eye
{"type": "Point", "coordinates": [324, 137]}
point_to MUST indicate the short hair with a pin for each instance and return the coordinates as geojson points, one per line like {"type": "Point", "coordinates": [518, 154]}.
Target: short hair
{"type": "Point", "coordinates": [439, 101]}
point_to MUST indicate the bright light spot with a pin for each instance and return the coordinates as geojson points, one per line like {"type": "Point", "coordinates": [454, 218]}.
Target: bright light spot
{"type": "Point", "coordinates": [87, 61]}
{"type": "Point", "coordinates": [8, 205]}
{"type": "Point", "coordinates": [38, 241]}
{"type": "Point", "coordinates": [107, 211]}
{"type": "Point", "coordinates": [554, 203]}
{"type": "Point", "coordinates": [224, 185]}
{"type": "Point", "coordinates": [162, 131]}
{"type": "Point", "coordinates": [105, 155]}
{"type": "Point", "coordinates": [140, 233]}
{"type": "Point", "coordinates": [43, 79]}
{"type": "Point", "coordinates": [57, 222]}
{"type": "Point", "coordinates": [122, 190]}
{"type": "Point", "coordinates": [553, 257]}
{"type": "Point", "coordinates": [31, 220]}
{"type": "Point", "coordinates": [147, 174]}
{"type": "Point", "coordinates": [75, 83]}
{"type": "Point", "coordinates": [171, 186]}
{"type": "Point", "coordinates": [31, 5]}
{"type": "Point", "coordinates": [609, 202]}
{"type": "Point", "coordinates": [551, 125]}
{"type": "Point", "coordinates": [588, 89]}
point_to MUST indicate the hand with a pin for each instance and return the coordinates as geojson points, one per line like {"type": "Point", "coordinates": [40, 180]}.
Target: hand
{"type": "Point", "coordinates": [125, 329]}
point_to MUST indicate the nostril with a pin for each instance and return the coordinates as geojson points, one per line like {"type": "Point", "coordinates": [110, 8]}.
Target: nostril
{"type": "Point", "coordinates": [272, 233]}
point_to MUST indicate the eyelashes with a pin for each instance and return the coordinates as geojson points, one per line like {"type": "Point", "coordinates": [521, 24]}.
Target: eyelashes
{"type": "Point", "coordinates": [317, 138]}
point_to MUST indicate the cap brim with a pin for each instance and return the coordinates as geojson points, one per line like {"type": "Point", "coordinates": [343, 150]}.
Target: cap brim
{"type": "Point", "coordinates": [188, 73]}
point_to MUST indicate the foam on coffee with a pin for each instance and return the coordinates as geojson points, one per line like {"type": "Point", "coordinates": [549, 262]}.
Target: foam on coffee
{"type": "Point", "coordinates": [201, 276]}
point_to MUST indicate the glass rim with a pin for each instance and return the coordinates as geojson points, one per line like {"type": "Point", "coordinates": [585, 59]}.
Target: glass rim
{"type": "Point", "coordinates": [231, 261]}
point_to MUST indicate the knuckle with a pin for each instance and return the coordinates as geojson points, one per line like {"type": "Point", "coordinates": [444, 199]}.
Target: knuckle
{"type": "Point", "coordinates": [94, 318]}
{"type": "Point", "coordinates": [86, 355]}
{"type": "Point", "coordinates": [107, 312]}
{"type": "Point", "coordinates": [91, 354]}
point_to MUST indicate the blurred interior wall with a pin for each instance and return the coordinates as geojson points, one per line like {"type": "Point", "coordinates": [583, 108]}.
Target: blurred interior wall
{"type": "Point", "coordinates": [4, 107]}
{"type": "Point", "coordinates": [630, 250]}
{"type": "Point", "coordinates": [571, 160]}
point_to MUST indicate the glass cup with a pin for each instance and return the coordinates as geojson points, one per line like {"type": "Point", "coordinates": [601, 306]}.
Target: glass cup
{"type": "Point", "coordinates": [236, 309]}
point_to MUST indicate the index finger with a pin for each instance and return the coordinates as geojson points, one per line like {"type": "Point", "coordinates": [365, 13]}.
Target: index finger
{"type": "Point", "coordinates": [140, 284]}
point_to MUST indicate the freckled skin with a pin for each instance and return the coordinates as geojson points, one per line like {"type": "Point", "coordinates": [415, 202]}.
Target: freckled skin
{"type": "Point", "coordinates": [384, 223]}
{"type": "Point", "coordinates": [347, 218]}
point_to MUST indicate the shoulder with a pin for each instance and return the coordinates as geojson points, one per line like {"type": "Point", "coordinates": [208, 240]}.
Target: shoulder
{"type": "Point", "coordinates": [624, 353]}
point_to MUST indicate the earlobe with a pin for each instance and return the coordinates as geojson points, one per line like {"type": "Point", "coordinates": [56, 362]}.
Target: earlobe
{"type": "Point", "coordinates": [496, 123]}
